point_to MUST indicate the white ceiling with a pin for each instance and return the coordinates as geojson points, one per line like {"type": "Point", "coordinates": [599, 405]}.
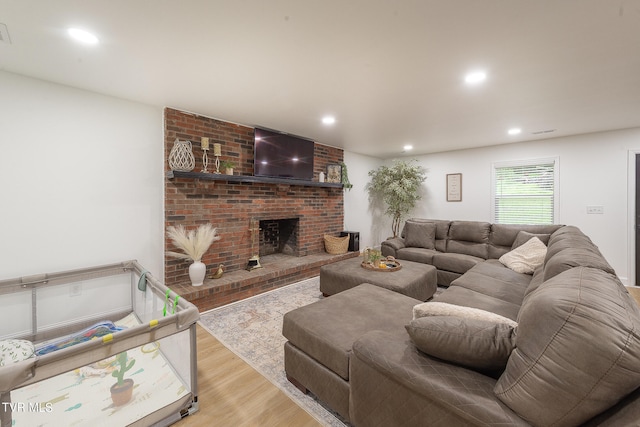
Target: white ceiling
{"type": "Point", "coordinates": [390, 71]}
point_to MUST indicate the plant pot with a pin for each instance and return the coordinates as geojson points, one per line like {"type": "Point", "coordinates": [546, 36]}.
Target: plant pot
{"type": "Point", "coordinates": [228, 171]}
{"type": "Point", "coordinates": [121, 394]}
{"type": "Point", "coordinates": [197, 271]}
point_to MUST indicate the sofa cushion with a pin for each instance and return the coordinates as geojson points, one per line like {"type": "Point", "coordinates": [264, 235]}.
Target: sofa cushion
{"type": "Point", "coordinates": [570, 241]}
{"type": "Point", "coordinates": [575, 257]}
{"type": "Point", "coordinates": [502, 286]}
{"type": "Point", "coordinates": [470, 238]}
{"type": "Point", "coordinates": [524, 236]}
{"type": "Point", "coordinates": [475, 343]}
{"type": "Point", "coordinates": [422, 255]}
{"type": "Point", "coordinates": [420, 234]}
{"type": "Point", "coordinates": [458, 263]}
{"type": "Point", "coordinates": [434, 308]}
{"type": "Point", "coordinates": [478, 299]}
{"type": "Point", "coordinates": [442, 231]}
{"type": "Point", "coordinates": [503, 236]}
{"type": "Point", "coordinates": [584, 356]}
{"type": "Point", "coordinates": [525, 258]}
{"type": "Point", "coordinates": [394, 384]}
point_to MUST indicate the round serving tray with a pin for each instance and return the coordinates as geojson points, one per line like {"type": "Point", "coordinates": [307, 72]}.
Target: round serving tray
{"type": "Point", "coordinates": [391, 266]}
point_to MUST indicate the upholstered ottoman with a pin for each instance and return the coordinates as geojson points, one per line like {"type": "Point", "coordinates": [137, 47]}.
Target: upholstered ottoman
{"type": "Point", "coordinates": [317, 355]}
{"type": "Point", "coordinates": [414, 279]}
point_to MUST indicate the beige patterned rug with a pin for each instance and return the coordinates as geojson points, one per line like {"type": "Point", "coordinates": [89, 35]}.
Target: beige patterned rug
{"type": "Point", "coordinates": [252, 329]}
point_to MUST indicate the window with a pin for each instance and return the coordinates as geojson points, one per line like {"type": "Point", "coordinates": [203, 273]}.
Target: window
{"type": "Point", "coordinates": [525, 192]}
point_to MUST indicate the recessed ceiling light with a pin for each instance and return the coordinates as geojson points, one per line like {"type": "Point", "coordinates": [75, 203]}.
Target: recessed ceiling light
{"type": "Point", "coordinates": [328, 120]}
{"type": "Point", "coordinates": [514, 131]}
{"type": "Point", "coordinates": [408, 147]}
{"type": "Point", "coordinates": [82, 36]}
{"type": "Point", "coordinates": [475, 77]}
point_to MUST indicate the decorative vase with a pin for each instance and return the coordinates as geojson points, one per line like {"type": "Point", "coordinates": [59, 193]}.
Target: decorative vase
{"type": "Point", "coordinates": [181, 157]}
{"type": "Point", "coordinates": [197, 271]}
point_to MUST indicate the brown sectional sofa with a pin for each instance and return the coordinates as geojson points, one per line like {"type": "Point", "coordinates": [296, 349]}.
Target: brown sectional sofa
{"type": "Point", "coordinates": [572, 358]}
{"type": "Point", "coordinates": [457, 245]}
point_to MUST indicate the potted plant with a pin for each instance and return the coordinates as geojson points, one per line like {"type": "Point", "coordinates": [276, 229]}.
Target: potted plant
{"type": "Point", "coordinates": [398, 186]}
{"type": "Point", "coordinates": [194, 244]}
{"type": "Point", "coordinates": [122, 390]}
{"type": "Point", "coordinates": [374, 257]}
{"type": "Point", "coordinates": [346, 185]}
{"type": "Point", "coordinates": [227, 166]}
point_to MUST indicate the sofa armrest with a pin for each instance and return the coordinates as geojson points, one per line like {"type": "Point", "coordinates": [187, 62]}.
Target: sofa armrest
{"type": "Point", "coordinates": [391, 246]}
{"type": "Point", "coordinates": [392, 380]}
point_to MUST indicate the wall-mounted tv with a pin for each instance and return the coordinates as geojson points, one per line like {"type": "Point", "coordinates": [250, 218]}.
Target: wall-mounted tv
{"type": "Point", "coordinates": [280, 155]}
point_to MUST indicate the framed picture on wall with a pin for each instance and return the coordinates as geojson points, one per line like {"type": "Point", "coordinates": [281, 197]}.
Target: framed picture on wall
{"type": "Point", "coordinates": [454, 187]}
{"type": "Point", "coordinates": [334, 174]}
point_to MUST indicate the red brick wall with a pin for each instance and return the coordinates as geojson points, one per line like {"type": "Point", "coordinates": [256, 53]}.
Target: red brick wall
{"type": "Point", "coordinates": [230, 206]}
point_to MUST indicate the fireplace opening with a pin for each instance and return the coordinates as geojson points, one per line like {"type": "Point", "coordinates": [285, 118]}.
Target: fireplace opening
{"type": "Point", "coordinates": [279, 236]}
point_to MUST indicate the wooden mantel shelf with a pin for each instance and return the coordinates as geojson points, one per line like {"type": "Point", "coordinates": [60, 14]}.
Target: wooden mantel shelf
{"type": "Point", "coordinates": [249, 178]}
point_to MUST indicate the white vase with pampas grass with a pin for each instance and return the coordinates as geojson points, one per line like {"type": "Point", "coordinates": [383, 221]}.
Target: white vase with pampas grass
{"type": "Point", "coordinates": [194, 244]}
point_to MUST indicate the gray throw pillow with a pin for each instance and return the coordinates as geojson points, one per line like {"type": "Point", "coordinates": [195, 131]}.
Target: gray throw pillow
{"type": "Point", "coordinates": [477, 344]}
{"type": "Point", "coordinates": [420, 234]}
{"type": "Point", "coordinates": [524, 236]}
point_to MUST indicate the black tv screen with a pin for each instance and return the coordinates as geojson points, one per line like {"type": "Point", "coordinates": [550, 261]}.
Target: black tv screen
{"type": "Point", "coordinates": [281, 155]}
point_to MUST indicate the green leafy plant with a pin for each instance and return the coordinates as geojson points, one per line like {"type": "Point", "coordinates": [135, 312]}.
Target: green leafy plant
{"type": "Point", "coordinates": [374, 255]}
{"type": "Point", "coordinates": [398, 186]}
{"type": "Point", "coordinates": [345, 177]}
{"type": "Point", "coordinates": [121, 359]}
{"type": "Point", "coordinates": [227, 164]}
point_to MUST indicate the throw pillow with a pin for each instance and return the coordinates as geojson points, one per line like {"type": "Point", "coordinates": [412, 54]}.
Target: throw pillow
{"type": "Point", "coordinates": [526, 258]}
{"type": "Point", "coordinates": [420, 234]}
{"type": "Point", "coordinates": [434, 308]}
{"type": "Point", "coordinates": [524, 236]}
{"type": "Point", "coordinates": [477, 344]}
{"type": "Point", "coordinates": [12, 351]}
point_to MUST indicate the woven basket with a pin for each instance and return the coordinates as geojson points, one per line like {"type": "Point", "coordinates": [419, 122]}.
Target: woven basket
{"type": "Point", "coordinates": [336, 245]}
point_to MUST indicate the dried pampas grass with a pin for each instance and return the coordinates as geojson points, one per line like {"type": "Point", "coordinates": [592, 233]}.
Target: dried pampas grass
{"type": "Point", "coordinates": [193, 243]}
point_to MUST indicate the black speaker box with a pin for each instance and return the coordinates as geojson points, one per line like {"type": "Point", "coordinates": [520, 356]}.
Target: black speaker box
{"type": "Point", "coordinates": [354, 240]}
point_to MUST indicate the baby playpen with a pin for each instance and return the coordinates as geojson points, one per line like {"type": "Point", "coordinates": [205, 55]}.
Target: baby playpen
{"type": "Point", "coordinates": [107, 345]}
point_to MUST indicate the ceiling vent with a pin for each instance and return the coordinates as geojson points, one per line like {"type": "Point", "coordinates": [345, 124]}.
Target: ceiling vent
{"type": "Point", "coordinates": [541, 132]}
{"type": "Point", "coordinates": [4, 34]}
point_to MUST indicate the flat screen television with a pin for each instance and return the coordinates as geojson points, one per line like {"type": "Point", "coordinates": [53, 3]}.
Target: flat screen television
{"type": "Point", "coordinates": [280, 155]}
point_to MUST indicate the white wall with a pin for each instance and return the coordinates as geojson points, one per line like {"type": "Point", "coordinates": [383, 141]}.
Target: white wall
{"type": "Point", "coordinates": [359, 214]}
{"type": "Point", "coordinates": [81, 177]}
{"type": "Point", "coordinates": [593, 171]}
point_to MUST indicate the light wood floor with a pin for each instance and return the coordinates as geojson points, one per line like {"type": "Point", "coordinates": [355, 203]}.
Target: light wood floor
{"type": "Point", "coordinates": [232, 393]}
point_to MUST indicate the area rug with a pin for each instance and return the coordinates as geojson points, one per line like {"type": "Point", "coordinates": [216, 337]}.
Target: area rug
{"type": "Point", "coordinates": [252, 329]}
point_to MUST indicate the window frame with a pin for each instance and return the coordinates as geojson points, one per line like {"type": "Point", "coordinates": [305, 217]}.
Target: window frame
{"type": "Point", "coordinates": [528, 162]}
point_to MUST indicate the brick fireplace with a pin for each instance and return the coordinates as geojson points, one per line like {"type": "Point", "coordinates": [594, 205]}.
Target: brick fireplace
{"type": "Point", "coordinates": [236, 207]}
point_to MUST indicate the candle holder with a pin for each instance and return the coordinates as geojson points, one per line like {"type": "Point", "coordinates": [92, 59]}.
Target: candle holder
{"type": "Point", "coordinates": [217, 152]}
{"type": "Point", "coordinates": [205, 159]}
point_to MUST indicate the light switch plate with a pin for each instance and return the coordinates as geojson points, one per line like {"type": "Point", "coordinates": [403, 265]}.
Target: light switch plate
{"type": "Point", "coordinates": [591, 210]}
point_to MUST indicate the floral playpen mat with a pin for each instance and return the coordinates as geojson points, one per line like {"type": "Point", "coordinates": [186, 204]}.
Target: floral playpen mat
{"type": "Point", "coordinates": [82, 397]}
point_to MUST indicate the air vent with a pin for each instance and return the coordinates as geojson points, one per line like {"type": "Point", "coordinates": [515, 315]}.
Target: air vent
{"type": "Point", "coordinates": [540, 132]}
{"type": "Point", "coordinates": [4, 34]}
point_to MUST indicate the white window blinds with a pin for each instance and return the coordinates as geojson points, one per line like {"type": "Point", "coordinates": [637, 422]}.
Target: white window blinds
{"type": "Point", "coordinates": [525, 192]}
